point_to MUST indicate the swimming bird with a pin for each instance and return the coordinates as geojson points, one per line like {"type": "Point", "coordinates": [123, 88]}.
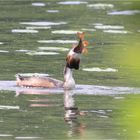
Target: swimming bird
{"type": "Point", "coordinates": [72, 62]}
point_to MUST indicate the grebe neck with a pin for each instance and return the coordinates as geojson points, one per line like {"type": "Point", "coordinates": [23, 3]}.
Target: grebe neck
{"type": "Point", "coordinates": [69, 82]}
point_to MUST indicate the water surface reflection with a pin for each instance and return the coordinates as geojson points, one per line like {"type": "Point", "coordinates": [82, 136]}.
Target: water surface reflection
{"type": "Point", "coordinates": [35, 114]}
{"type": "Point", "coordinates": [105, 105]}
{"type": "Point", "coordinates": [71, 115]}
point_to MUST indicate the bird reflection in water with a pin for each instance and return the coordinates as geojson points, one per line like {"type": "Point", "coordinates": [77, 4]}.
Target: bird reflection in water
{"type": "Point", "coordinates": [38, 102]}
{"type": "Point", "coordinates": [71, 115]}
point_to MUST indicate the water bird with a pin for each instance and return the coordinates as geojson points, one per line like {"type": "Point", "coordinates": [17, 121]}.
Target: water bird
{"type": "Point", "coordinates": [72, 62]}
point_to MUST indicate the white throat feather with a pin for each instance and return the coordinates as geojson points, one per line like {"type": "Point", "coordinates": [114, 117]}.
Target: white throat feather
{"type": "Point", "coordinates": [69, 82]}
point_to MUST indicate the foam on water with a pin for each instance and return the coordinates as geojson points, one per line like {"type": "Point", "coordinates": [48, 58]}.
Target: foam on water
{"type": "Point", "coordinates": [39, 4]}
{"type": "Point", "coordinates": [57, 41]}
{"type": "Point", "coordinates": [43, 23]}
{"type": "Point", "coordinates": [100, 6]}
{"type": "Point", "coordinates": [125, 12]}
{"type": "Point", "coordinates": [64, 32]}
{"type": "Point", "coordinates": [53, 48]}
{"type": "Point", "coordinates": [80, 89]}
{"type": "Point", "coordinates": [72, 2]}
{"type": "Point", "coordinates": [23, 31]}
{"type": "Point", "coordinates": [96, 69]}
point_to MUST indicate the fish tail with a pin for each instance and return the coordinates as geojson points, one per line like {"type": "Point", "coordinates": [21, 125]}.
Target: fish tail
{"type": "Point", "coordinates": [81, 35]}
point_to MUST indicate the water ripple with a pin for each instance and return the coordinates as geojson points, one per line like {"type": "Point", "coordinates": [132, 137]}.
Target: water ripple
{"type": "Point", "coordinates": [52, 11]}
{"type": "Point", "coordinates": [9, 107]}
{"type": "Point", "coordinates": [43, 23]}
{"type": "Point", "coordinates": [80, 89]}
{"type": "Point", "coordinates": [1, 43]}
{"type": "Point", "coordinates": [116, 31]}
{"type": "Point", "coordinates": [53, 48]}
{"type": "Point", "coordinates": [39, 4]}
{"type": "Point", "coordinates": [101, 26]}
{"type": "Point", "coordinates": [23, 31]}
{"type": "Point", "coordinates": [22, 50]}
{"type": "Point", "coordinates": [37, 27]}
{"type": "Point", "coordinates": [26, 138]}
{"type": "Point", "coordinates": [4, 51]}
{"type": "Point", "coordinates": [96, 69]}
{"type": "Point", "coordinates": [125, 12]}
{"type": "Point", "coordinates": [57, 41]}
{"type": "Point", "coordinates": [41, 53]}
{"type": "Point", "coordinates": [100, 6]}
{"type": "Point", "coordinates": [6, 135]}
{"type": "Point", "coordinates": [72, 2]}
{"type": "Point", "coordinates": [64, 32]}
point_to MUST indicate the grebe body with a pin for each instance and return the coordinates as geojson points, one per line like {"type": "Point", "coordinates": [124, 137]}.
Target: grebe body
{"type": "Point", "coordinates": [72, 62]}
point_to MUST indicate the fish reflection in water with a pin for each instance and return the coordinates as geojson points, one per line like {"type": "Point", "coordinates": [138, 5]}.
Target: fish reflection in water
{"type": "Point", "coordinates": [71, 114]}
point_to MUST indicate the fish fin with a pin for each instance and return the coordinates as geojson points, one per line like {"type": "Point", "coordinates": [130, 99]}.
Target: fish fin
{"type": "Point", "coordinates": [85, 43]}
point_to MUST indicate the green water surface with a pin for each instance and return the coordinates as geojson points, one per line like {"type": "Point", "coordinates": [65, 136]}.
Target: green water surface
{"type": "Point", "coordinates": [115, 117]}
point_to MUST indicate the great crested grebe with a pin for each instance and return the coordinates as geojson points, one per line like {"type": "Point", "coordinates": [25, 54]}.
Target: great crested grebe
{"type": "Point", "coordinates": [72, 62]}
